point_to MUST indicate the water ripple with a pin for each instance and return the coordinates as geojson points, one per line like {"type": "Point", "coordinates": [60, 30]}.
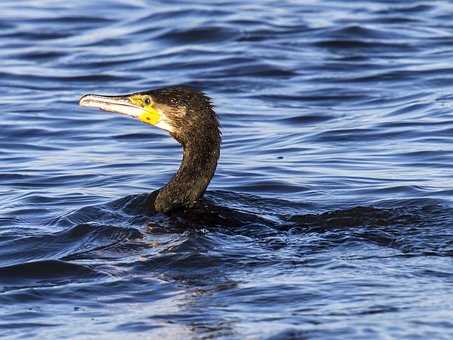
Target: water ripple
{"type": "Point", "coordinates": [330, 213]}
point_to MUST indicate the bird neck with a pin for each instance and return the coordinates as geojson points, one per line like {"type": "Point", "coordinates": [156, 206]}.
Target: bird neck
{"type": "Point", "coordinates": [199, 162]}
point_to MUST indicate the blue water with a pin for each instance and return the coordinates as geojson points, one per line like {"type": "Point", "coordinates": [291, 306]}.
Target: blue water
{"type": "Point", "coordinates": [331, 211]}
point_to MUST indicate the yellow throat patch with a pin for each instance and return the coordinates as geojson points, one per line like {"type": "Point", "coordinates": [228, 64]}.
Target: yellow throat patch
{"type": "Point", "coordinates": [150, 114]}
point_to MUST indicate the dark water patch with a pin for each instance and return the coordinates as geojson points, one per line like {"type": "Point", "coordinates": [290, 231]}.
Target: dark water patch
{"type": "Point", "coordinates": [6, 26]}
{"type": "Point", "coordinates": [67, 244]}
{"type": "Point", "coordinates": [76, 20]}
{"type": "Point", "coordinates": [37, 273]}
{"type": "Point", "coordinates": [290, 334]}
{"type": "Point", "coordinates": [317, 96]}
{"type": "Point", "coordinates": [76, 78]}
{"type": "Point", "coordinates": [137, 136]}
{"type": "Point", "coordinates": [31, 147]}
{"type": "Point", "coordinates": [413, 8]}
{"type": "Point", "coordinates": [197, 35]}
{"type": "Point", "coordinates": [30, 132]}
{"type": "Point", "coordinates": [269, 186]}
{"type": "Point", "coordinates": [395, 19]}
{"type": "Point", "coordinates": [360, 44]}
{"type": "Point", "coordinates": [254, 69]}
{"type": "Point", "coordinates": [24, 325]}
{"type": "Point", "coordinates": [346, 136]}
{"type": "Point", "coordinates": [334, 215]}
{"type": "Point", "coordinates": [189, 13]}
{"type": "Point", "coordinates": [357, 216]}
{"type": "Point", "coordinates": [305, 119]}
{"type": "Point", "coordinates": [38, 55]}
{"type": "Point", "coordinates": [361, 32]}
{"type": "Point", "coordinates": [132, 327]}
{"type": "Point", "coordinates": [36, 35]}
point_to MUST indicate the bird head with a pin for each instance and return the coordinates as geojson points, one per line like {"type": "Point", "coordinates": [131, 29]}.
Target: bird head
{"type": "Point", "coordinates": [182, 111]}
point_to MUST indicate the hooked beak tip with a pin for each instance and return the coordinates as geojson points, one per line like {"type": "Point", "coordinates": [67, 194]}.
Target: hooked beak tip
{"type": "Point", "coordinates": [85, 100]}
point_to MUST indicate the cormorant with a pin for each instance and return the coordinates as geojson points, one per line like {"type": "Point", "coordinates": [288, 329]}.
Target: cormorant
{"type": "Point", "coordinates": [188, 115]}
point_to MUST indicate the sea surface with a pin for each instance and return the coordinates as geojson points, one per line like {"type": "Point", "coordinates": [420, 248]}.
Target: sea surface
{"type": "Point", "coordinates": [331, 212]}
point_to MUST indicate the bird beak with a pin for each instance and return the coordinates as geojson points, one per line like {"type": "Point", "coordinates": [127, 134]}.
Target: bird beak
{"type": "Point", "coordinates": [123, 105]}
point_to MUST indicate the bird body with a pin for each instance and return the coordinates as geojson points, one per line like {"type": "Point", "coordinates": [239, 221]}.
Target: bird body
{"type": "Point", "coordinates": [188, 116]}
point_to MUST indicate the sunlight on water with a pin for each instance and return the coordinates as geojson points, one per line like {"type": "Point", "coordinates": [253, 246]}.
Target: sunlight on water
{"type": "Point", "coordinates": [331, 210]}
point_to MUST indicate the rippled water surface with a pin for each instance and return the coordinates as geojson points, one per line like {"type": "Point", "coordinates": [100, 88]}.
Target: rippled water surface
{"type": "Point", "coordinates": [331, 212]}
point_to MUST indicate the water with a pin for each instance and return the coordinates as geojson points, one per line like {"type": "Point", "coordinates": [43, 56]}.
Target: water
{"type": "Point", "coordinates": [331, 211]}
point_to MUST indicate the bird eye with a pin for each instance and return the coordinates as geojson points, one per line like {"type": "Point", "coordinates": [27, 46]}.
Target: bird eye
{"type": "Point", "coordinates": [147, 101]}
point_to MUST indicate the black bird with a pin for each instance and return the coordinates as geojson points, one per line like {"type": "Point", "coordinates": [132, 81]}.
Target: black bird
{"type": "Point", "coordinates": [188, 115]}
